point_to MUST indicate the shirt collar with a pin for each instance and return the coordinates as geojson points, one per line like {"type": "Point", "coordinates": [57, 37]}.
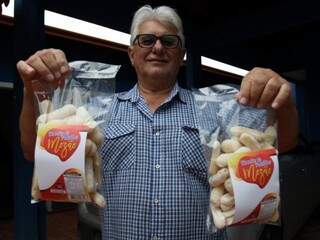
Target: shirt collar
{"type": "Point", "coordinates": [133, 94]}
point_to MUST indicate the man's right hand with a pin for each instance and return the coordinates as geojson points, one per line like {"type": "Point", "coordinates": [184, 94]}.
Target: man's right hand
{"type": "Point", "coordinates": [49, 67]}
{"type": "Point", "coordinates": [46, 70]}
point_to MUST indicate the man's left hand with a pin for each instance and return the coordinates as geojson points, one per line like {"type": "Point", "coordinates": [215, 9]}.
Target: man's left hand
{"type": "Point", "coordinates": [264, 88]}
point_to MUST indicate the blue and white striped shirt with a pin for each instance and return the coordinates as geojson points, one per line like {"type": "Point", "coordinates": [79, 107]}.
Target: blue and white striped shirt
{"type": "Point", "coordinates": [154, 171]}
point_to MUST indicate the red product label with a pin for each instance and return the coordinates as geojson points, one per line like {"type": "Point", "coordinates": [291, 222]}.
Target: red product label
{"type": "Point", "coordinates": [62, 141]}
{"type": "Point", "coordinates": [255, 213]}
{"type": "Point", "coordinates": [58, 191]}
{"type": "Point", "coordinates": [256, 168]}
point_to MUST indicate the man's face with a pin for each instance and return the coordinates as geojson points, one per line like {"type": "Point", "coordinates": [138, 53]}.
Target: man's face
{"type": "Point", "coordinates": [158, 62]}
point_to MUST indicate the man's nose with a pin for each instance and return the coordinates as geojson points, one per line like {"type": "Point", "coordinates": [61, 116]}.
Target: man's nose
{"type": "Point", "coordinates": [157, 46]}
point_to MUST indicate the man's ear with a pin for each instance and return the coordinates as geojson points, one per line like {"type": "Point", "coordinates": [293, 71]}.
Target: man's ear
{"type": "Point", "coordinates": [131, 55]}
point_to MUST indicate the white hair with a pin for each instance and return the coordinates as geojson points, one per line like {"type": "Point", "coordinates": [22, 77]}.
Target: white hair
{"type": "Point", "coordinates": [162, 14]}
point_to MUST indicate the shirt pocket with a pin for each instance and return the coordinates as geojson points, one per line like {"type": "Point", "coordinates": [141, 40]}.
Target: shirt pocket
{"type": "Point", "coordinates": [193, 160]}
{"type": "Point", "coordinates": [119, 149]}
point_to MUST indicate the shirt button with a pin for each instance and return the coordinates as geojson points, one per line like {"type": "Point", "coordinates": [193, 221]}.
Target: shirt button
{"type": "Point", "coordinates": [156, 201]}
{"type": "Point", "coordinates": [157, 133]}
{"type": "Point", "coordinates": [157, 166]}
{"type": "Point", "coordinates": [155, 238]}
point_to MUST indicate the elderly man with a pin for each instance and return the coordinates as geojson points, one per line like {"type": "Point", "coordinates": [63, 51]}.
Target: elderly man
{"type": "Point", "coordinates": [154, 187]}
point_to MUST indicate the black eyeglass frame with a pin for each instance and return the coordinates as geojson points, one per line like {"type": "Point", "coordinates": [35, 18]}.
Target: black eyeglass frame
{"type": "Point", "coordinates": [179, 42]}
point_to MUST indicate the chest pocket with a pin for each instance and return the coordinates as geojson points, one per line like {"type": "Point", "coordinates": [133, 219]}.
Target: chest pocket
{"type": "Point", "coordinates": [193, 160]}
{"type": "Point", "coordinates": [119, 147]}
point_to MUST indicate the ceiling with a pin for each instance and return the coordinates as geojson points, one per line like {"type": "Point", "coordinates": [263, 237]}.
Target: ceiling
{"type": "Point", "coordinates": [272, 33]}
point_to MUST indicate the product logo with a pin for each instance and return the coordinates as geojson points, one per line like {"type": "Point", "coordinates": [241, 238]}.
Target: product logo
{"type": "Point", "coordinates": [61, 142]}
{"type": "Point", "coordinates": [256, 169]}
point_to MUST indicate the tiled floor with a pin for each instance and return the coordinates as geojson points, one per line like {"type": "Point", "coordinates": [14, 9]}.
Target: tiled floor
{"type": "Point", "coordinates": [62, 225]}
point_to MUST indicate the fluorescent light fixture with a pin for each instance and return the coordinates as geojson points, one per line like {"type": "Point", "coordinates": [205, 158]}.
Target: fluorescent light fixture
{"type": "Point", "coordinates": [6, 85]}
{"type": "Point", "coordinates": [9, 10]}
{"type": "Point", "coordinates": [222, 66]}
{"type": "Point", "coordinates": [71, 24]}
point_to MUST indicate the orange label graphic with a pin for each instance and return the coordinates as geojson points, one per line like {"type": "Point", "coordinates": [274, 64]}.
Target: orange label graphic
{"type": "Point", "coordinates": [62, 141]}
{"type": "Point", "coordinates": [256, 168]}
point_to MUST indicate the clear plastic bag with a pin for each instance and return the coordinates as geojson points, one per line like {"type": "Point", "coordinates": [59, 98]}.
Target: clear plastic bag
{"type": "Point", "coordinates": [67, 160]}
{"type": "Point", "coordinates": [240, 145]}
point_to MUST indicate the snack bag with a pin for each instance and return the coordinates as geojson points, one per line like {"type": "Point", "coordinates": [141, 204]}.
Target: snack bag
{"type": "Point", "coordinates": [67, 161]}
{"type": "Point", "coordinates": [241, 150]}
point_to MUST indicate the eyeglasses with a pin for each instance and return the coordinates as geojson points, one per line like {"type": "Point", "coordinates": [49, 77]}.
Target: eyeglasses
{"type": "Point", "coordinates": [149, 40]}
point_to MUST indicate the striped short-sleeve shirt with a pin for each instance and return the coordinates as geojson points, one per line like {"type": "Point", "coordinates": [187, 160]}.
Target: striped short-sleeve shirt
{"type": "Point", "coordinates": [154, 172]}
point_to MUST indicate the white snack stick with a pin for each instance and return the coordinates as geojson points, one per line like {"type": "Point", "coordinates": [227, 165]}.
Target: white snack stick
{"type": "Point", "coordinates": [216, 149]}
{"type": "Point", "coordinates": [230, 213]}
{"type": "Point", "coordinates": [218, 218]}
{"type": "Point", "coordinates": [92, 124]}
{"type": "Point", "coordinates": [60, 113]}
{"type": "Point", "coordinates": [83, 117]}
{"type": "Point", "coordinates": [97, 167]}
{"type": "Point", "coordinates": [90, 149]}
{"type": "Point", "coordinates": [84, 114]}
{"type": "Point", "coordinates": [228, 186]}
{"type": "Point", "coordinates": [266, 145]}
{"type": "Point", "coordinates": [229, 220]}
{"type": "Point", "coordinates": [243, 150]}
{"type": "Point", "coordinates": [230, 145]}
{"type": "Point", "coordinates": [219, 178]}
{"type": "Point", "coordinates": [87, 119]}
{"type": "Point", "coordinates": [249, 141]}
{"type": "Point", "coordinates": [225, 208]}
{"type": "Point", "coordinates": [227, 199]}
{"type": "Point", "coordinates": [90, 181]}
{"type": "Point", "coordinates": [238, 131]}
{"type": "Point", "coordinates": [270, 135]}
{"type": "Point", "coordinates": [222, 160]}
{"type": "Point", "coordinates": [57, 122]}
{"type": "Point", "coordinates": [98, 199]}
{"type": "Point", "coordinates": [216, 195]}
{"type": "Point", "coordinates": [35, 190]}
{"type": "Point", "coordinates": [213, 168]}
{"type": "Point", "coordinates": [96, 159]}
{"type": "Point", "coordinates": [96, 136]}
{"type": "Point", "coordinates": [275, 216]}
{"type": "Point", "coordinates": [74, 120]}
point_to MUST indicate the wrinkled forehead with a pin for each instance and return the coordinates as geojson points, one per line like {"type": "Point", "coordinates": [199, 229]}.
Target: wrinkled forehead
{"type": "Point", "coordinates": [156, 27]}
